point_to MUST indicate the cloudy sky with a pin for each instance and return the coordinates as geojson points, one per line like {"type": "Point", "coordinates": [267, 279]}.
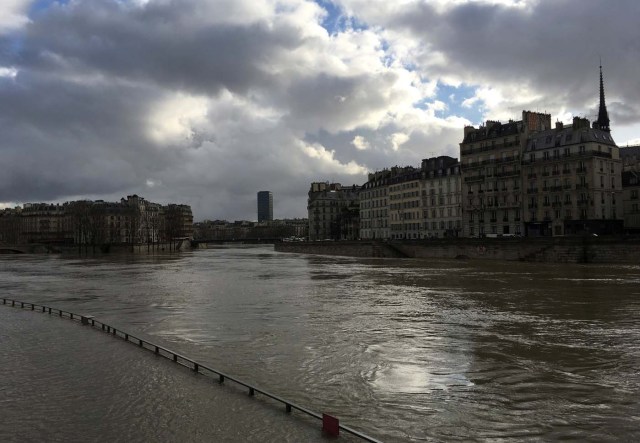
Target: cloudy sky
{"type": "Point", "coordinates": [206, 102]}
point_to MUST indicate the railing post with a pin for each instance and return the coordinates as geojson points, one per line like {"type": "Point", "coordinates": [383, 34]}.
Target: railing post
{"type": "Point", "coordinates": [288, 407]}
{"type": "Point", "coordinates": [157, 350]}
{"type": "Point", "coordinates": [195, 367]}
{"type": "Point", "coordinates": [44, 309]}
{"type": "Point", "coordinates": [33, 307]}
{"type": "Point", "coordinates": [49, 310]}
{"type": "Point", "coordinates": [221, 379]}
{"type": "Point", "coordinates": [22, 304]}
{"type": "Point", "coordinates": [251, 391]}
{"type": "Point", "coordinates": [140, 342]}
{"type": "Point", "coordinates": [175, 357]}
{"type": "Point", "coordinates": [126, 337]}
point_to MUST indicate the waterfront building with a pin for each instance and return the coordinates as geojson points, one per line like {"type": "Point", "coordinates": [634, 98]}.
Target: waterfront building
{"type": "Point", "coordinates": [132, 221]}
{"type": "Point", "coordinates": [526, 178]}
{"type": "Point", "coordinates": [221, 230]}
{"type": "Point", "coordinates": [374, 206]}
{"type": "Point", "coordinates": [265, 206]}
{"type": "Point", "coordinates": [413, 203]}
{"type": "Point", "coordinates": [630, 157]}
{"type": "Point", "coordinates": [573, 181]}
{"type": "Point", "coordinates": [490, 158]}
{"type": "Point", "coordinates": [441, 192]}
{"type": "Point", "coordinates": [631, 201]}
{"type": "Point", "coordinates": [405, 213]}
{"type": "Point", "coordinates": [44, 222]}
{"type": "Point", "coordinates": [334, 211]}
{"type": "Point", "coordinates": [11, 225]}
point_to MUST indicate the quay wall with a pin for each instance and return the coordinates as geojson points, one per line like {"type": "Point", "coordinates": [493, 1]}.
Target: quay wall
{"type": "Point", "coordinates": [548, 250]}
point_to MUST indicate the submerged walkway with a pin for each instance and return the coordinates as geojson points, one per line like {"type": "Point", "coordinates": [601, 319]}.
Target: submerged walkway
{"type": "Point", "coordinates": [61, 384]}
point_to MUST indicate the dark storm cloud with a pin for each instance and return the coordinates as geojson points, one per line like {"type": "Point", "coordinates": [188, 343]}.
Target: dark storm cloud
{"type": "Point", "coordinates": [61, 139]}
{"type": "Point", "coordinates": [164, 42]}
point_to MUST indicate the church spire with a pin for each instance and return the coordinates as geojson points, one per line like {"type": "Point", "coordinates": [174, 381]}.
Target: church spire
{"type": "Point", "coordinates": [603, 116]}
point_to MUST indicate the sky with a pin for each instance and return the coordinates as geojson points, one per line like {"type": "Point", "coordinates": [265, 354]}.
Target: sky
{"type": "Point", "coordinates": [207, 102]}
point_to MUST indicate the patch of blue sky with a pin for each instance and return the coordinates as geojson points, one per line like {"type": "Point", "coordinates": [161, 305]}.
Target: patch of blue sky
{"type": "Point", "coordinates": [336, 20]}
{"type": "Point", "coordinates": [40, 6]}
{"type": "Point", "coordinates": [454, 97]}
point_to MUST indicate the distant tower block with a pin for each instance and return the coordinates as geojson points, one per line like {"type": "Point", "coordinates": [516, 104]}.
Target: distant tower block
{"type": "Point", "coordinates": [265, 206]}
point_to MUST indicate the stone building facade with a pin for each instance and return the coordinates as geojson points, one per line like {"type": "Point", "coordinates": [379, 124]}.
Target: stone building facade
{"type": "Point", "coordinates": [133, 220]}
{"type": "Point", "coordinates": [412, 203]}
{"type": "Point", "coordinates": [631, 201]}
{"type": "Point", "coordinates": [528, 178]}
{"type": "Point", "coordinates": [374, 205]}
{"type": "Point", "coordinates": [333, 211]}
{"type": "Point", "coordinates": [441, 193]}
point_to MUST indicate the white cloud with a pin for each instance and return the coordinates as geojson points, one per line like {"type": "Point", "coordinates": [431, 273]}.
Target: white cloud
{"type": "Point", "coordinates": [13, 14]}
{"type": "Point", "coordinates": [360, 143]}
{"type": "Point", "coordinates": [398, 139]}
{"type": "Point", "coordinates": [327, 162]}
{"type": "Point", "coordinates": [172, 120]}
{"type": "Point", "coordinates": [8, 72]}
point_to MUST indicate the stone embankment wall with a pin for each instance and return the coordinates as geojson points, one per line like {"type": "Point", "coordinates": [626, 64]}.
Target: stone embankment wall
{"type": "Point", "coordinates": [551, 250]}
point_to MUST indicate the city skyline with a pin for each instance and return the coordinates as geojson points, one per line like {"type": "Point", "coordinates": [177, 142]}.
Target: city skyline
{"type": "Point", "coordinates": [204, 102]}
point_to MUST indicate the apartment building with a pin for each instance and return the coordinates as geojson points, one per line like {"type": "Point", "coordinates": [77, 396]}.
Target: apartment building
{"type": "Point", "coordinates": [441, 192]}
{"type": "Point", "coordinates": [131, 221]}
{"type": "Point", "coordinates": [527, 178]}
{"type": "Point", "coordinates": [631, 201]}
{"type": "Point", "coordinates": [374, 206]}
{"type": "Point", "coordinates": [490, 158]}
{"type": "Point", "coordinates": [573, 181]}
{"type": "Point", "coordinates": [405, 209]}
{"type": "Point", "coordinates": [334, 211]}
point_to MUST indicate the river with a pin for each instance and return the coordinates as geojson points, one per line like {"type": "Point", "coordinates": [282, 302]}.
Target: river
{"type": "Point", "coordinates": [400, 349]}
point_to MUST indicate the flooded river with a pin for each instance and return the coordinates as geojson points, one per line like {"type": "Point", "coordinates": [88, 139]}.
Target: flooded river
{"type": "Point", "coordinates": [403, 350]}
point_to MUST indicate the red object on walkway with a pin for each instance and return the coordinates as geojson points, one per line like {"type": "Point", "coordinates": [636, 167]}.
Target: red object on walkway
{"type": "Point", "coordinates": [330, 425]}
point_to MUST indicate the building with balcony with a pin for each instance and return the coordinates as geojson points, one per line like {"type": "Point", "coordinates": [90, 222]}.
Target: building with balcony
{"type": "Point", "coordinates": [405, 209]}
{"type": "Point", "coordinates": [572, 181]}
{"type": "Point", "coordinates": [441, 195]}
{"type": "Point", "coordinates": [374, 206]}
{"type": "Point", "coordinates": [334, 211]}
{"type": "Point", "coordinates": [526, 178]}
{"type": "Point", "coordinates": [631, 201]}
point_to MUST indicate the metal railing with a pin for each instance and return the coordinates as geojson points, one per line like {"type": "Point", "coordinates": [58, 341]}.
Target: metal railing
{"type": "Point", "coordinates": [178, 358]}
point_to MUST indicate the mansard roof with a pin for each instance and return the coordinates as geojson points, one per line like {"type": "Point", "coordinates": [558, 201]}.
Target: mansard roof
{"type": "Point", "coordinates": [566, 136]}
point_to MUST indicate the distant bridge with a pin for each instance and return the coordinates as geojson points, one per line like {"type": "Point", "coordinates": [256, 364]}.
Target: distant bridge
{"type": "Point", "coordinates": [246, 241]}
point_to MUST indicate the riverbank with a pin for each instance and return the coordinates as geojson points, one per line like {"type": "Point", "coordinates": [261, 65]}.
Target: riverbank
{"type": "Point", "coordinates": [546, 250]}
{"type": "Point", "coordinates": [45, 248]}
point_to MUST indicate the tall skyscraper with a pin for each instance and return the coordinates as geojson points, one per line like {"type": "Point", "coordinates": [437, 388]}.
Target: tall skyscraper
{"type": "Point", "coordinates": [265, 206]}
